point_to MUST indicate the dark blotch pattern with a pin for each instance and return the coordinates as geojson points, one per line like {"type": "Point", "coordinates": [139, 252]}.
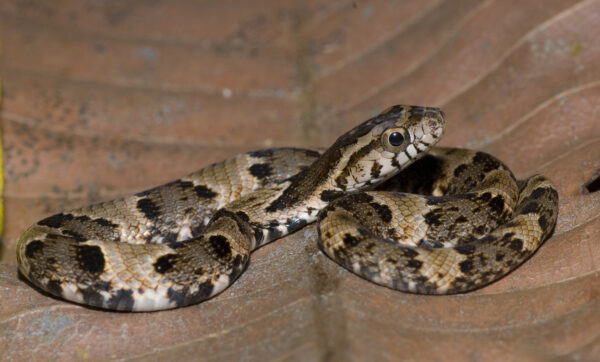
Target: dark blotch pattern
{"type": "Point", "coordinates": [274, 234]}
{"type": "Point", "coordinates": [461, 219]}
{"type": "Point", "coordinates": [75, 235]}
{"type": "Point", "coordinates": [361, 198]}
{"type": "Point", "coordinates": [56, 221]}
{"type": "Point", "coordinates": [466, 266]}
{"type": "Point", "coordinates": [34, 248]}
{"type": "Point", "coordinates": [165, 263]}
{"type": "Point", "coordinates": [414, 264]}
{"type": "Point", "coordinates": [459, 170]}
{"type": "Point", "coordinates": [261, 153]}
{"type": "Point", "coordinates": [383, 211]}
{"type": "Point", "coordinates": [488, 163]}
{"type": "Point", "coordinates": [350, 241]}
{"type": "Point", "coordinates": [538, 193]}
{"type": "Point", "coordinates": [105, 223]}
{"type": "Point", "coordinates": [295, 224]}
{"type": "Point", "coordinates": [121, 300]}
{"type": "Point", "coordinates": [433, 218]}
{"type": "Point", "coordinates": [185, 185]}
{"type": "Point", "coordinates": [465, 249]}
{"type": "Point", "coordinates": [543, 222]}
{"type": "Point", "coordinates": [391, 260]}
{"type": "Point", "coordinates": [516, 245]}
{"type": "Point", "coordinates": [148, 208]}
{"type": "Point", "coordinates": [205, 289]}
{"type": "Point", "coordinates": [330, 195]}
{"type": "Point", "coordinates": [480, 229]}
{"type": "Point", "coordinates": [409, 253]}
{"type": "Point", "coordinates": [355, 158]}
{"type": "Point", "coordinates": [90, 258]}
{"type": "Point", "coordinates": [220, 245]}
{"type": "Point", "coordinates": [54, 287]}
{"type": "Point", "coordinates": [203, 192]}
{"type": "Point", "coordinates": [261, 170]}
{"type": "Point", "coordinates": [242, 215]}
{"type": "Point", "coordinates": [376, 169]}
{"type": "Point", "coordinates": [277, 205]}
{"type": "Point", "coordinates": [497, 204]}
{"type": "Point", "coordinates": [485, 197]}
{"type": "Point", "coordinates": [259, 236]}
{"type": "Point", "coordinates": [529, 208]}
{"type": "Point", "coordinates": [183, 297]}
{"type": "Point", "coordinates": [91, 295]}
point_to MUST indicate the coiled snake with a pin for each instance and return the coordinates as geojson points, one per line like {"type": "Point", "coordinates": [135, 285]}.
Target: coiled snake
{"type": "Point", "coordinates": [186, 241]}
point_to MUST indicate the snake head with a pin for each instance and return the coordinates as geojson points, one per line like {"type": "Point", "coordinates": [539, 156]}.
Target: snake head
{"type": "Point", "coordinates": [382, 146]}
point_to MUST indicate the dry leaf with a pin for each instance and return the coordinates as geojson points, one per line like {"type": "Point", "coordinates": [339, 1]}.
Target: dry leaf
{"type": "Point", "coordinates": [103, 99]}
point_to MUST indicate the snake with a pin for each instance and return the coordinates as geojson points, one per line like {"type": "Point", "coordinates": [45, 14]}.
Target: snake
{"type": "Point", "coordinates": [391, 207]}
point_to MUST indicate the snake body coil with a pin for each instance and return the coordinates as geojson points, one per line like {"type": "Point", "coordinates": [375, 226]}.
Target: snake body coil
{"type": "Point", "coordinates": [186, 241]}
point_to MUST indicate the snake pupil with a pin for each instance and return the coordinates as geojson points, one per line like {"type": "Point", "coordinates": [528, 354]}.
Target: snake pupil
{"type": "Point", "coordinates": [396, 138]}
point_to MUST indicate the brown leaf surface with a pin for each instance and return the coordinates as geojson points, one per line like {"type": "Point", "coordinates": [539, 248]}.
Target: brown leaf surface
{"type": "Point", "coordinates": [102, 99]}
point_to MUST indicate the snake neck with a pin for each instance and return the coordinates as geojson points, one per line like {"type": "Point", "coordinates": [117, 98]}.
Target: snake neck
{"type": "Point", "coordinates": [305, 194]}
{"type": "Point", "coordinates": [360, 159]}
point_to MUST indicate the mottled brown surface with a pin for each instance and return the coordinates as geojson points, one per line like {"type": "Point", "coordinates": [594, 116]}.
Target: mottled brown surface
{"type": "Point", "coordinates": [106, 98]}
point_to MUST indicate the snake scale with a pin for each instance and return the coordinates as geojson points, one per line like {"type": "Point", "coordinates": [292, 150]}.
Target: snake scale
{"type": "Point", "coordinates": [452, 221]}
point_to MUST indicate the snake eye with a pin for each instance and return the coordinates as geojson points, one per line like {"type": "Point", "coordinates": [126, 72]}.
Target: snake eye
{"type": "Point", "coordinates": [395, 140]}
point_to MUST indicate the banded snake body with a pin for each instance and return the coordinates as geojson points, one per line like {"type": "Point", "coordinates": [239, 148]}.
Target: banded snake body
{"type": "Point", "coordinates": [188, 240]}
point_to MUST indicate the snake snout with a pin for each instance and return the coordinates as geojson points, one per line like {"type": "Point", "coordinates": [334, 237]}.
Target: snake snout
{"type": "Point", "coordinates": [434, 122]}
